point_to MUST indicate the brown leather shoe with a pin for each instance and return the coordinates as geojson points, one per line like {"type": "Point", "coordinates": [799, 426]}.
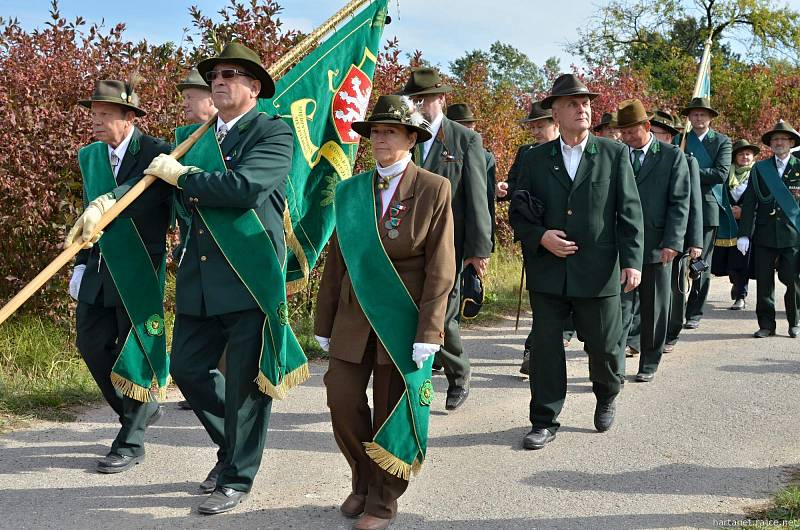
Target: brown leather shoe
{"type": "Point", "coordinates": [353, 505]}
{"type": "Point", "coordinates": [370, 522]}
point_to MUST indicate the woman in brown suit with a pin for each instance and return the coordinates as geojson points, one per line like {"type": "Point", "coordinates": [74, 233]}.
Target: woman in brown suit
{"type": "Point", "coordinates": [380, 310]}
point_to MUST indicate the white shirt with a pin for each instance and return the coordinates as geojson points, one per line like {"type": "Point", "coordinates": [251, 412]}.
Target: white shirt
{"type": "Point", "coordinates": [120, 151]}
{"type": "Point", "coordinates": [435, 125]}
{"type": "Point", "coordinates": [572, 155]}
{"type": "Point", "coordinates": [738, 191]}
{"type": "Point", "coordinates": [229, 124]}
{"type": "Point", "coordinates": [645, 148]}
{"type": "Point", "coordinates": [394, 169]}
{"type": "Point", "coordinates": [781, 164]}
{"type": "Point", "coordinates": [701, 136]}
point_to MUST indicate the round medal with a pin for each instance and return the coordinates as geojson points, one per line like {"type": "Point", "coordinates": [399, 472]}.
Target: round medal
{"type": "Point", "coordinates": [393, 233]}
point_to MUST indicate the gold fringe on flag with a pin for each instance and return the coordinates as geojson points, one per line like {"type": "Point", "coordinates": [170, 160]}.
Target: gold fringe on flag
{"type": "Point", "coordinates": [388, 462]}
{"type": "Point", "coordinates": [725, 242]}
{"type": "Point", "coordinates": [294, 378]}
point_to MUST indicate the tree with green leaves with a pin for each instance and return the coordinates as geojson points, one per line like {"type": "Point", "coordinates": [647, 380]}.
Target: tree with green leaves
{"type": "Point", "coordinates": [506, 66]}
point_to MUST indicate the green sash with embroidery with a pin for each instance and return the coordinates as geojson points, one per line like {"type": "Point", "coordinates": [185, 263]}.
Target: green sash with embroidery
{"type": "Point", "coordinates": [777, 188]}
{"type": "Point", "coordinates": [143, 359]}
{"type": "Point", "coordinates": [728, 228]}
{"type": "Point", "coordinates": [244, 242]}
{"type": "Point", "coordinates": [400, 444]}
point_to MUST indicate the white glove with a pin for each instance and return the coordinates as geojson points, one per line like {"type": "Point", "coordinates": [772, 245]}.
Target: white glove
{"type": "Point", "coordinates": [75, 281]}
{"type": "Point", "coordinates": [86, 223]}
{"type": "Point", "coordinates": [421, 352]}
{"type": "Point", "coordinates": [743, 244]}
{"type": "Point", "coordinates": [168, 169]}
{"type": "Point", "coordinates": [324, 342]}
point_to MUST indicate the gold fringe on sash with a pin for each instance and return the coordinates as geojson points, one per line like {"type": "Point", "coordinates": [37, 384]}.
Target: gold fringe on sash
{"type": "Point", "coordinates": [725, 242]}
{"type": "Point", "coordinates": [294, 378]}
{"type": "Point", "coordinates": [390, 463]}
{"type": "Point", "coordinates": [131, 389]}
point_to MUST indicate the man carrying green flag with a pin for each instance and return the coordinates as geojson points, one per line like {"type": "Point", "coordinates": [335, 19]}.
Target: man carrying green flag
{"type": "Point", "coordinates": [231, 282]}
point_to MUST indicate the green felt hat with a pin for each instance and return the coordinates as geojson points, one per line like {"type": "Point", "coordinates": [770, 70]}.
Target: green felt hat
{"type": "Point", "coordinates": [700, 103]}
{"type": "Point", "coordinates": [239, 54]}
{"type": "Point", "coordinates": [193, 80]}
{"type": "Point", "coordinates": [781, 127]}
{"type": "Point", "coordinates": [114, 91]}
{"type": "Point", "coordinates": [538, 113]}
{"type": "Point", "coordinates": [424, 81]}
{"type": "Point", "coordinates": [460, 112]}
{"type": "Point", "coordinates": [394, 110]}
{"type": "Point", "coordinates": [567, 85]}
{"type": "Point", "coordinates": [665, 120]}
{"type": "Point", "coordinates": [609, 119]}
{"type": "Point", "coordinates": [741, 145]}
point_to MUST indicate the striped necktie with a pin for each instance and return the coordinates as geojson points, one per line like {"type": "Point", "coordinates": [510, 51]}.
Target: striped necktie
{"type": "Point", "coordinates": [221, 133]}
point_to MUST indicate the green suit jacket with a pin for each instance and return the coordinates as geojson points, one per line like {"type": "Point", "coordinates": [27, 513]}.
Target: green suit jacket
{"type": "Point", "coordinates": [719, 148]}
{"type": "Point", "coordinates": [457, 154]}
{"type": "Point", "coordinates": [694, 227]}
{"type": "Point", "coordinates": [491, 181]}
{"type": "Point", "coordinates": [258, 155]}
{"type": "Point", "coordinates": [151, 213]}
{"type": "Point", "coordinates": [513, 172]}
{"type": "Point", "coordinates": [764, 221]}
{"type": "Point", "coordinates": [600, 210]}
{"type": "Point", "coordinates": [664, 191]}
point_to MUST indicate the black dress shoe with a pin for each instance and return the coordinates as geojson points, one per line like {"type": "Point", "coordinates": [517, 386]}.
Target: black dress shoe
{"type": "Point", "coordinates": [604, 415]}
{"type": "Point", "coordinates": [738, 305]}
{"type": "Point", "coordinates": [184, 405]}
{"type": "Point", "coordinates": [763, 333]}
{"type": "Point", "coordinates": [223, 500]}
{"type": "Point", "coordinates": [644, 378]}
{"type": "Point", "coordinates": [210, 483]}
{"type": "Point", "coordinates": [156, 416]}
{"type": "Point", "coordinates": [114, 463]}
{"type": "Point", "coordinates": [456, 396]}
{"type": "Point", "coordinates": [692, 323]}
{"type": "Point", "coordinates": [537, 438]}
{"type": "Point", "coordinates": [794, 331]}
{"type": "Point", "coordinates": [437, 367]}
{"type": "Point", "coordinates": [525, 369]}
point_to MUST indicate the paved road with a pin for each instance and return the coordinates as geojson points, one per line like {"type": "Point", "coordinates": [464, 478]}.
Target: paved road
{"type": "Point", "coordinates": [709, 437]}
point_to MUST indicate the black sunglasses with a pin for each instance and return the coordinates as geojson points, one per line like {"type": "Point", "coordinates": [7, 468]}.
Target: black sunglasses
{"type": "Point", "coordinates": [227, 73]}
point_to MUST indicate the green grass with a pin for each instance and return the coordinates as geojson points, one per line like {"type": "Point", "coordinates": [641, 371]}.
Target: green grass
{"type": "Point", "coordinates": [41, 373]}
{"type": "Point", "coordinates": [784, 509]}
{"type": "Point", "coordinates": [501, 287]}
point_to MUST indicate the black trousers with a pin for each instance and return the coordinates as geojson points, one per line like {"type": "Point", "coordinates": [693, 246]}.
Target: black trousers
{"type": "Point", "coordinates": [234, 412]}
{"type": "Point", "coordinates": [452, 355]}
{"type": "Point", "coordinates": [101, 333]}
{"type": "Point", "coordinates": [699, 290]}
{"type": "Point", "coordinates": [599, 321]}
{"type": "Point", "coordinates": [786, 261]}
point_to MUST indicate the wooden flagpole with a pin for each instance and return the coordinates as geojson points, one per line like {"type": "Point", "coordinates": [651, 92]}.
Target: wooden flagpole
{"type": "Point", "coordinates": [276, 70]}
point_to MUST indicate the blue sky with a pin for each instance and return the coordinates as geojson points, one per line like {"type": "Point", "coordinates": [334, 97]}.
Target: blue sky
{"type": "Point", "coordinates": [442, 29]}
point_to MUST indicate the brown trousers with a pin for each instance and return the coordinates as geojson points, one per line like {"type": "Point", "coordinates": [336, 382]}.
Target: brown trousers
{"type": "Point", "coordinates": [354, 424]}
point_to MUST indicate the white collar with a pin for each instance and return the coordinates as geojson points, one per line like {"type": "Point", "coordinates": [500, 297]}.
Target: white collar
{"type": "Point", "coordinates": [701, 136]}
{"type": "Point", "coordinates": [394, 169]}
{"type": "Point", "coordinates": [645, 148]}
{"type": "Point", "coordinates": [435, 125]}
{"type": "Point", "coordinates": [122, 148]}
{"type": "Point", "coordinates": [783, 161]}
{"type": "Point", "coordinates": [569, 149]}
{"type": "Point", "coordinates": [229, 124]}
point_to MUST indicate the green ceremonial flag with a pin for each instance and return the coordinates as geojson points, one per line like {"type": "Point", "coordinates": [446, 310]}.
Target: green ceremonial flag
{"type": "Point", "coordinates": [320, 98]}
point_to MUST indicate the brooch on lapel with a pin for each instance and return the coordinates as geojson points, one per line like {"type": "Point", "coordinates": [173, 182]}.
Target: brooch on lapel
{"type": "Point", "coordinates": [134, 146]}
{"type": "Point", "coordinates": [154, 326]}
{"type": "Point", "coordinates": [592, 149]}
{"type": "Point", "coordinates": [447, 157]}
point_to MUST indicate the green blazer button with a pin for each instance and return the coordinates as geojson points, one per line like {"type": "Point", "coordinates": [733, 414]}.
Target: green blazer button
{"type": "Point", "coordinates": [203, 258]}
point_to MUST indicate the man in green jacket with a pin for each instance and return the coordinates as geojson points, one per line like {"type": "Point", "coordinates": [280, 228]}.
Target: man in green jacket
{"type": "Point", "coordinates": [457, 154]}
{"type": "Point", "coordinates": [124, 271]}
{"type": "Point", "coordinates": [662, 178]}
{"type": "Point", "coordinates": [589, 241]}
{"type": "Point", "coordinates": [771, 217]}
{"type": "Point", "coordinates": [238, 175]}
{"type": "Point", "coordinates": [712, 150]}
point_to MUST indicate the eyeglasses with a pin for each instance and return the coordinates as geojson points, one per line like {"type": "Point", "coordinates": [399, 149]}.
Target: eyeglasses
{"type": "Point", "coordinates": [227, 73]}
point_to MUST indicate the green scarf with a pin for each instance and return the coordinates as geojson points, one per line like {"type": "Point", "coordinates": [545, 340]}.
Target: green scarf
{"type": "Point", "coordinates": [400, 444]}
{"type": "Point", "coordinates": [143, 359]}
{"type": "Point", "coordinates": [739, 175]}
{"type": "Point", "coordinates": [243, 240]}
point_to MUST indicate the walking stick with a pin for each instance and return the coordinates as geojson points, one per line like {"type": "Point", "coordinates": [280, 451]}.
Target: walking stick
{"type": "Point", "coordinates": [519, 300]}
{"type": "Point", "coordinates": [70, 252]}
